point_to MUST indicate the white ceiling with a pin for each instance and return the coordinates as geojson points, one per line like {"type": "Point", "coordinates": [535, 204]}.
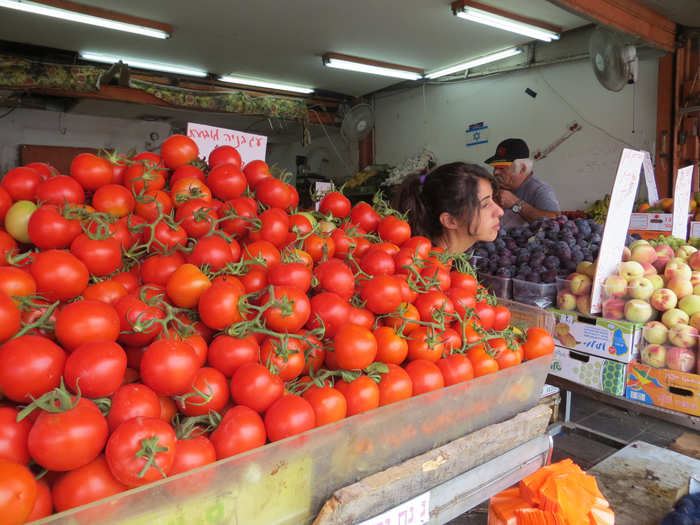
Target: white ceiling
{"type": "Point", "coordinates": [284, 40]}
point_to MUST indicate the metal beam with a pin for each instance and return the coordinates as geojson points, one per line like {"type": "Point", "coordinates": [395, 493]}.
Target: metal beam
{"type": "Point", "coordinates": [628, 16]}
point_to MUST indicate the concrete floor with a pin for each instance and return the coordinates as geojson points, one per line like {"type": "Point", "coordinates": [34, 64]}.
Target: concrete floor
{"type": "Point", "coordinates": [601, 431]}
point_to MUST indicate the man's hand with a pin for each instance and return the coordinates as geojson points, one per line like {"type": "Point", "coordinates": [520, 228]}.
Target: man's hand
{"type": "Point", "coordinates": [507, 199]}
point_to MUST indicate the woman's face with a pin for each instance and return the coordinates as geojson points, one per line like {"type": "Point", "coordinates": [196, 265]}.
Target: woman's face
{"type": "Point", "coordinates": [487, 220]}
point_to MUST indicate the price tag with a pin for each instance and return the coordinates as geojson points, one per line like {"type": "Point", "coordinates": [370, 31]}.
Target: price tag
{"type": "Point", "coordinates": [619, 213]}
{"type": "Point", "coordinates": [413, 512]}
{"type": "Point", "coordinates": [681, 202]}
{"type": "Point", "coordinates": [650, 179]}
{"type": "Point", "coordinates": [249, 146]}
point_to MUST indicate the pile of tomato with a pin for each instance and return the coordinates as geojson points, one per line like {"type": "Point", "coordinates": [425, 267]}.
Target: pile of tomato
{"type": "Point", "coordinates": [158, 314]}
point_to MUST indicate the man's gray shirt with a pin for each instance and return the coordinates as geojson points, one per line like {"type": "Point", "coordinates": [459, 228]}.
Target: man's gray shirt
{"type": "Point", "coordinates": [536, 193]}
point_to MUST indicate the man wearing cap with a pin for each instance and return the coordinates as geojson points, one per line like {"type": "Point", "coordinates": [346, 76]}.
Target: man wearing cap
{"type": "Point", "coordinates": [523, 197]}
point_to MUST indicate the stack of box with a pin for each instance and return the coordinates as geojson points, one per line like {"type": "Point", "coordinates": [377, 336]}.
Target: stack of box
{"type": "Point", "coordinates": [594, 351]}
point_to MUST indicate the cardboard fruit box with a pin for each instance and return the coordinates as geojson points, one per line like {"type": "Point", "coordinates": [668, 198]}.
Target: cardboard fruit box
{"type": "Point", "coordinates": [611, 339]}
{"type": "Point", "coordinates": [594, 372]}
{"type": "Point", "coordinates": [661, 387]}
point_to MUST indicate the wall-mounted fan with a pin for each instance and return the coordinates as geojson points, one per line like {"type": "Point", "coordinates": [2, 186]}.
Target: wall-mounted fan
{"type": "Point", "coordinates": [614, 62]}
{"type": "Point", "coordinates": [357, 122]}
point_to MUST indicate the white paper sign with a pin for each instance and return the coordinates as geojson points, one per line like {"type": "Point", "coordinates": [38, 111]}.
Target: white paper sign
{"type": "Point", "coordinates": [413, 512]}
{"type": "Point", "coordinates": [681, 202]}
{"type": "Point", "coordinates": [250, 147]}
{"type": "Point", "coordinates": [619, 212]}
{"type": "Point", "coordinates": [650, 179]}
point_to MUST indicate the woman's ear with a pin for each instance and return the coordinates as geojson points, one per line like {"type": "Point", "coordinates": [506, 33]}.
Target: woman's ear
{"type": "Point", "coordinates": [448, 221]}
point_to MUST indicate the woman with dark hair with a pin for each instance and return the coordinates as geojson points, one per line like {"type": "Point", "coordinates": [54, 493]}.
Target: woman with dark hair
{"type": "Point", "coordinates": [452, 206]}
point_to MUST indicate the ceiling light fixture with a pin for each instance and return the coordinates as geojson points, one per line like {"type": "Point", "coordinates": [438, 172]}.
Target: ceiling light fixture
{"type": "Point", "coordinates": [73, 12]}
{"type": "Point", "coordinates": [373, 67]}
{"type": "Point", "coordinates": [493, 57]}
{"type": "Point", "coordinates": [500, 19]}
{"type": "Point", "coordinates": [264, 84]}
{"type": "Point", "coordinates": [143, 64]}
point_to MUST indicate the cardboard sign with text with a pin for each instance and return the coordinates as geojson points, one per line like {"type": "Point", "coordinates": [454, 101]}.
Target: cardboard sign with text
{"type": "Point", "coordinates": [650, 179]}
{"type": "Point", "coordinates": [619, 212]}
{"type": "Point", "coordinates": [681, 202]}
{"type": "Point", "coordinates": [250, 147]}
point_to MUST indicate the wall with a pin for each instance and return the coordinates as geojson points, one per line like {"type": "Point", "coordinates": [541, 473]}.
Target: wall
{"type": "Point", "coordinates": [581, 169]}
{"type": "Point", "coordinates": [51, 128]}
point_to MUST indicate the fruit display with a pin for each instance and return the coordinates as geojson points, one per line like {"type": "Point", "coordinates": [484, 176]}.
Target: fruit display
{"type": "Point", "coordinates": [598, 211]}
{"type": "Point", "coordinates": [158, 314]}
{"type": "Point", "coordinates": [665, 205]}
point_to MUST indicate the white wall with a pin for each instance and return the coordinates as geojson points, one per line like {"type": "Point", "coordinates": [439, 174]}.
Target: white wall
{"type": "Point", "coordinates": [51, 128]}
{"type": "Point", "coordinates": [581, 169]}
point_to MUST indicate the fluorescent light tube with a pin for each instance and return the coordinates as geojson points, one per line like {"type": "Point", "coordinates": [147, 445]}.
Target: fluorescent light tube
{"type": "Point", "coordinates": [368, 68]}
{"type": "Point", "coordinates": [143, 64]}
{"type": "Point", "coordinates": [507, 24]}
{"type": "Point", "coordinates": [264, 84]}
{"type": "Point", "coordinates": [475, 62]}
{"type": "Point", "coordinates": [74, 16]}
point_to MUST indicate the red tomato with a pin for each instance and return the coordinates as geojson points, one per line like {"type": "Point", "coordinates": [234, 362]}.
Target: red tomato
{"type": "Point", "coordinates": [432, 305]}
{"type": "Point", "coordinates": [137, 321]}
{"type": "Point", "coordinates": [378, 262]}
{"type": "Point", "coordinates": [186, 285]}
{"type": "Point", "coordinates": [178, 150]}
{"type": "Point", "coordinates": [486, 314]}
{"type": "Point", "coordinates": [501, 318]}
{"type": "Point", "coordinates": [21, 183]}
{"type": "Point", "coordinates": [292, 315]}
{"type": "Point", "coordinates": [274, 227]}
{"type": "Point", "coordinates": [61, 189]}
{"type": "Point", "coordinates": [240, 212]}
{"type": "Point", "coordinates": [10, 318]}
{"type": "Point", "coordinates": [114, 199]}
{"type": "Point", "coordinates": [455, 368]}
{"type": "Point", "coordinates": [391, 348]}
{"type": "Point", "coordinates": [226, 181]}
{"type": "Point", "coordinates": [394, 386]}
{"type": "Point", "coordinates": [17, 492]}
{"type": "Point", "coordinates": [7, 243]}
{"type": "Point", "coordinates": [381, 293]}
{"type": "Point", "coordinates": [425, 376]}
{"type": "Point", "coordinates": [254, 386]}
{"type": "Point", "coordinates": [328, 403]}
{"type": "Point", "coordinates": [355, 347]}
{"type": "Point", "coordinates": [100, 256]}
{"type": "Point", "coordinates": [336, 204]}
{"type": "Point", "coordinates": [169, 366]}
{"type": "Point", "coordinates": [43, 505]}
{"type": "Point", "coordinates": [16, 281]}
{"type": "Point", "coordinates": [539, 342]}
{"type": "Point", "coordinates": [255, 171]}
{"type": "Point", "coordinates": [48, 228]}
{"type": "Point", "coordinates": [130, 401]}
{"type": "Point", "coordinates": [331, 309]}
{"type": "Point", "coordinates": [122, 452]}
{"type": "Point", "coordinates": [209, 392]}
{"type": "Point", "coordinates": [91, 171]}
{"type": "Point", "coordinates": [287, 416]}
{"type": "Point", "coordinates": [464, 281]}
{"type": "Point", "coordinates": [425, 343]}
{"type": "Point", "coordinates": [394, 230]}
{"type": "Point", "coordinates": [59, 275]}
{"type": "Point", "coordinates": [30, 366]}
{"type": "Point", "coordinates": [68, 440]}
{"type": "Point", "coordinates": [192, 453]}
{"type": "Point", "coordinates": [285, 360]}
{"type": "Point", "coordinates": [227, 353]}
{"type": "Point", "coordinates": [335, 276]}
{"type": "Point", "coordinates": [196, 216]}
{"type": "Point", "coordinates": [405, 322]}
{"type": "Point", "coordinates": [218, 305]}
{"type": "Point", "coordinates": [46, 171]}
{"type": "Point", "coordinates": [263, 249]}
{"type": "Point", "coordinates": [187, 171]}
{"type": "Point", "coordinates": [319, 247]}
{"type": "Point", "coordinates": [13, 436]}
{"type": "Point", "coordinates": [241, 429]}
{"type": "Point", "coordinates": [84, 321]}
{"type": "Point", "coordinates": [462, 300]}
{"type": "Point", "coordinates": [364, 216]}
{"type": "Point", "coordinates": [224, 155]}
{"type": "Point", "coordinates": [96, 369]}
{"type": "Point", "coordinates": [85, 484]}
{"type": "Point", "coordinates": [294, 274]}
{"type": "Point", "coordinates": [361, 394]}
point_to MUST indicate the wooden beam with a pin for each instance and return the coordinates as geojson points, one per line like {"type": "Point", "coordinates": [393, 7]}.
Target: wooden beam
{"type": "Point", "coordinates": [628, 16]}
{"type": "Point", "coordinates": [664, 127]}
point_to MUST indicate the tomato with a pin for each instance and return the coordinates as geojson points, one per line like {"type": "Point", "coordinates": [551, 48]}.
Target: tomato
{"type": "Point", "coordinates": [300, 224]}
{"type": "Point", "coordinates": [119, 165]}
{"type": "Point", "coordinates": [178, 150]}
{"type": "Point", "coordinates": [336, 204]}
{"type": "Point", "coordinates": [255, 280]}
{"type": "Point", "coordinates": [17, 492]}
{"type": "Point", "coordinates": [365, 216]}
{"type": "Point", "coordinates": [361, 394]}
{"type": "Point", "coordinates": [5, 203]}
{"type": "Point", "coordinates": [192, 453]}
{"type": "Point", "coordinates": [218, 305]}
{"type": "Point", "coordinates": [85, 484]}
{"type": "Point", "coordinates": [395, 385]}
{"type": "Point", "coordinates": [45, 170]}
{"type": "Point", "coordinates": [43, 505]}
{"type": "Point", "coordinates": [290, 317]}
{"type": "Point", "coordinates": [130, 438]}
{"type": "Point", "coordinates": [263, 249]}
{"type": "Point", "coordinates": [128, 280]}
{"type": "Point", "coordinates": [287, 416]}
{"type": "Point", "coordinates": [186, 285]}
{"type": "Point", "coordinates": [319, 247]}
{"type": "Point", "coordinates": [7, 246]}
{"type": "Point", "coordinates": [60, 189]}
{"type": "Point", "coordinates": [169, 366]}
{"type": "Point", "coordinates": [224, 155]}
{"type": "Point", "coordinates": [381, 293]}
{"type": "Point", "coordinates": [255, 171]}
{"type": "Point", "coordinates": [391, 348]}
{"type": "Point", "coordinates": [196, 217]}
{"type": "Point", "coordinates": [209, 392]}
{"type": "Point", "coordinates": [13, 436]}
{"type": "Point", "coordinates": [328, 403]}
{"type": "Point", "coordinates": [144, 176]}
{"type": "Point", "coordinates": [48, 228]}
{"type": "Point", "coordinates": [539, 342]}
{"type": "Point", "coordinates": [84, 321]}
{"type": "Point", "coordinates": [109, 291]}
{"type": "Point", "coordinates": [404, 322]}
{"type": "Point", "coordinates": [501, 317]}
{"type": "Point", "coordinates": [240, 430]}
{"type": "Point", "coordinates": [464, 281]}
{"type": "Point", "coordinates": [10, 318]}
{"type": "Point", "coordinates": [213, 251]}
{"type": "Point", "coordinates": [274, 227]}
{"type": "Point", "coordinates": [486, 314]}
{"type": "Point", "coordinates": [272, 193]}
{"type": "Point", "coordinates": [436, 275]}
{"type": "Point", "coordinates": [30, 366]}
{"type": "Point", "coordinates": [68, 440]}
{"type": "Point", "coordinates": [378, 262]}
{"type": "Point", "coordinates": [156, 269]}
{"type": "Point", "coordinates": [335, 276]}
{"type": "Point", "coordinates": [285, 360]}
{"type": "Point", "coordinates": [355, 347]}
{"type": "Point", "coordinates": [455, 368]}
{"type": "Point", "coordinates": [329, 309]}
{"type": "Point", "coordinates": [240, 211]}
{"type": "Point", "coordinates": [482, 362]}
{"type": "Point", "coordinates": [425, 343]}
{"type": "Point", "coordinates": [17, 220]}
{"type": "Point", "coordinates": [462, 300]}
{"type": "Point", "coordinates": [294, 274]}
{"type": "Point", "coordinates": [96, 369]}
{"type": "Point", "coordinates": [91, 171]}
{"type": "Point", "coordinates": [59, 275]}
{"type": "Point", "coordinates": [137, 321]}
{"type": "Point", "coordinates": [187, 189]}
{"type": "Point", "coordinates": [100, 256]}
{"type": "Point", "coordinates": [114, 199]}
{"type": "Point", "coordinates": [227, 353]}
{"type": "Point", "coordinates": [130, 401]}
{"type": "Point", "coordinates": [394, 230]}
{"type": "Point", "coordinates": [425, 376]}
{"type": "Point", "coordinates": [432, 305]}
{"type": "Point", "coordinates": [21, 183]}
{"type": "Point", "coordinates": [226, 181]}
{"type": "Point", "coordinates": [451, 339]}
{"type": "Point", "coordinates": [153, 204]}
{"type": "Point", "coordinates": [254, 386]}
{"type": "Point", "coordinates": [16, 282]}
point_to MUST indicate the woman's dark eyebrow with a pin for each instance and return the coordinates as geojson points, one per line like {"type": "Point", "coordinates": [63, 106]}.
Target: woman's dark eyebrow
{"type": "Point", "coordinates": [485, 197]}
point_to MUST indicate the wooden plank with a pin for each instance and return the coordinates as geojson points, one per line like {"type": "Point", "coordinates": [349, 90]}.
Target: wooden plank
{"type": "Point", "coordinates": [629, 16]}
{"type": "Point", "coordinates": [384, 490]}
{"type": "Point", "coordinates": [687, 443]}
{"type": "Point", "coordinates": [664, 126]}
